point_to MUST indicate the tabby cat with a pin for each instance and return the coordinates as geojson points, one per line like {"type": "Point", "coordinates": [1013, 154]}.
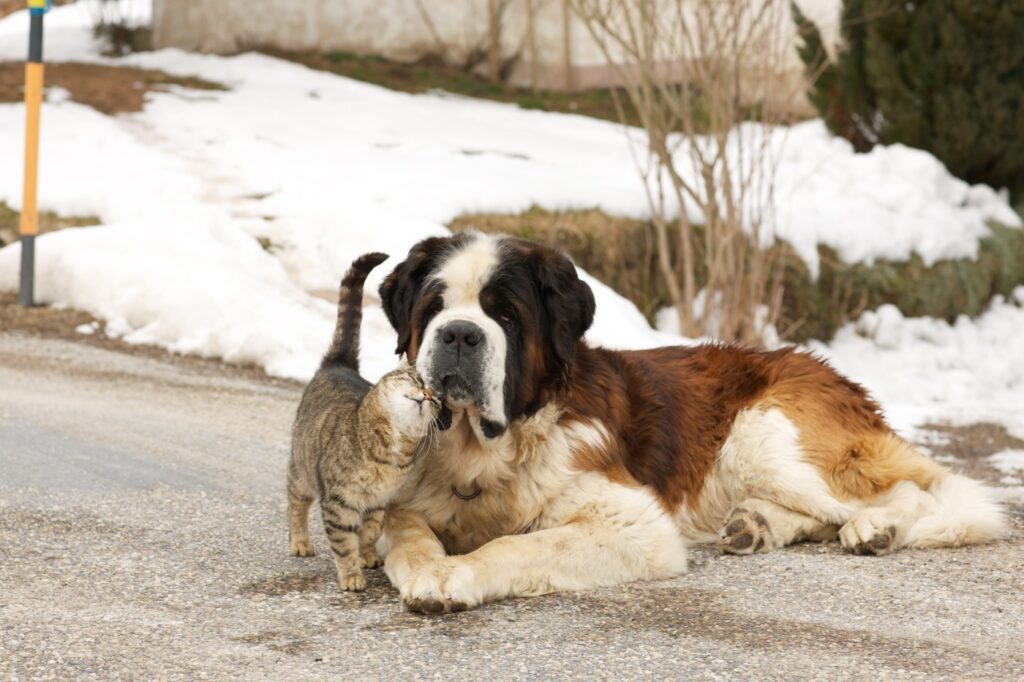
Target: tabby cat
{"type": "Point", "coordinates": [352, 442]}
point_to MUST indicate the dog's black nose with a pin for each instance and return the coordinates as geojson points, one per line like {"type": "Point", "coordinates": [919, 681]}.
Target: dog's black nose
{"type": "Point", "coordinates": [461, 336]}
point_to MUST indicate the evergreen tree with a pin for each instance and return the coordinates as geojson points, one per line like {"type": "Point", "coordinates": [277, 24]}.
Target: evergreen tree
{"type": "Point", "coordinates": [942, 75]}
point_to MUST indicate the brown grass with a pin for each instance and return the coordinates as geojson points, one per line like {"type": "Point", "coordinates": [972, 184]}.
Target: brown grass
{"type": "Point", "coordinates": [48, 222]}
{"type": "Point", "coordinates": [108, 89]}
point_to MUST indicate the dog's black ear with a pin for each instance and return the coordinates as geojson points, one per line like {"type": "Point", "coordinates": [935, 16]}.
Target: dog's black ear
{"type": "Point", "coordinates": [404, 285]}
{"type": "Point", "coordinates": [568, 302]}
{"type": "Point", "coordinates": [396, 297]}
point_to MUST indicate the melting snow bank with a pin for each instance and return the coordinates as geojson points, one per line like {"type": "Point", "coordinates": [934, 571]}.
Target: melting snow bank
{"type": "Point", "coordinates": [323, 168]}
{"type": "Point", "coordinates": [923, 369]}
{"type": "Point", "coordinates": [1008, 461]}
{"type": "Point", "coordinates": [887, 204]}
{"type": "Point", "coordinates": [341, 164]}
{"type": "Point", "coordinates": [1011, 463]}
{"type": "Point", "coordinates": [208, 291]}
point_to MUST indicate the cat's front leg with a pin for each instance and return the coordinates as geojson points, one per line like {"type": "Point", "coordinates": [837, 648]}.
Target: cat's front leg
{"type": "Point", "coordinates": [342, 522]}
{"type": "Point", "coordinates": [373, 523]}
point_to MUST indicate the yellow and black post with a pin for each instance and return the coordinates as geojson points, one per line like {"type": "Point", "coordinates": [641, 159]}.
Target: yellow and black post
{"type": "Point", "coordinates": [33, 100]}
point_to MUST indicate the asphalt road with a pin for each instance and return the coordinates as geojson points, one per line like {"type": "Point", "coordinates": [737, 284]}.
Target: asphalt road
{"type": "Point", "coordinates": [142, 536]}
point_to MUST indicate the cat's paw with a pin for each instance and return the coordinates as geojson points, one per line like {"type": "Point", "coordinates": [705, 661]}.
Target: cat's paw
{"type": "Point", "coordinates": [302, 548]}
{"type": "Point", "coordinates": [442, 586]}
{"type": "Point", "coordinates": [371, 559]}
{"type": "Point", "coordinates": [352, 582]}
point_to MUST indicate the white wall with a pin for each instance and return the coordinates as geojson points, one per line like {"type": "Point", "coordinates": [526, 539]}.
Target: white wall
{"type": "Point", "coordinates": [397, 29]}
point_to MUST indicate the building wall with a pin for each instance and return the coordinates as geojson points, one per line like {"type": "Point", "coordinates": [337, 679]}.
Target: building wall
{"type": "Point", "coordinates": [408, 29]}
{"type": "Point", "coordinates": [392, 28]}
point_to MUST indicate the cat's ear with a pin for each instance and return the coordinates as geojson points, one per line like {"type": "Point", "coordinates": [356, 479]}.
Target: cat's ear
{"type": "Point", "coordinates": [404, 286]}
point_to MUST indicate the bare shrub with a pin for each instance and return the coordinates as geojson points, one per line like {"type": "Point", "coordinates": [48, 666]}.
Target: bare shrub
{"type": "Point", "coordinates": [118, 24]}
{"type": "Point", "coordinates": [703, 76]}
{"type": "Point", "coordinates": [484, 50]}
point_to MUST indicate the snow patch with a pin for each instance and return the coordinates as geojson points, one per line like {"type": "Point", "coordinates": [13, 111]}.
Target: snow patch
{"type": "Point", "coordinates": [1010, 495]}
{"type": "Point", "coordinates": [927, 370]}
{"type": "Point", "coordinates": [1008, 461]}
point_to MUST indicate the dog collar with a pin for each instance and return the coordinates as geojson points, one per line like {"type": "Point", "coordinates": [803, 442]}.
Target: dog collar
{"type": "Point", "coordinates": [467, 497]}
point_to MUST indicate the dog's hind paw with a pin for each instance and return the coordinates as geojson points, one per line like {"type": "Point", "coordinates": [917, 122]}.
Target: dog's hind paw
{"type": "Point", "coordinates": [745, 532]}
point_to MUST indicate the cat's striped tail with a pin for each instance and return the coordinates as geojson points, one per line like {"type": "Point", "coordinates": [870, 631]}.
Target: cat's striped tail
{"type": "Point", "coordinates": [344, 350]}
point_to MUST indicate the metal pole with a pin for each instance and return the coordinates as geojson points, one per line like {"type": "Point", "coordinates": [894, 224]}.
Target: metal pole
{"type": "Point", "coordinates": [29, 226]}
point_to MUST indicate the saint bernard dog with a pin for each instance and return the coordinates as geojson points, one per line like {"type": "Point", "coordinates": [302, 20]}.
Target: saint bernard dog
{"type": "Point", "coordinates": [564, 466]}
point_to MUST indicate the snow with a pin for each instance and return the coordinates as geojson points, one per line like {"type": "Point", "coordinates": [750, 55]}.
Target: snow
{"type": "Point", "coordinates": [1008, 461]}
{"type": "Point", "coordinates": [886, 204]}
{"type": "Point", "coordinates": [325, 168]}
{"type": "Point", "coordinates": [141, 278]}
{"type": "Point", "coordinates": [68, 29]}
{"type": "Point", "coordinates": [926, 370]}
{"type": "Point", "coordinates": [1010, 494]}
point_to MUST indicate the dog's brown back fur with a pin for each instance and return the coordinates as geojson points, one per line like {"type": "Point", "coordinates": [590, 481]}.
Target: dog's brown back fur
{"type": "Point", "coordinates": [669, 411]}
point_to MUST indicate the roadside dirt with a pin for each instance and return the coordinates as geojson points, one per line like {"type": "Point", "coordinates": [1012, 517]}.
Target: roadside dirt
{"type": "Point", "coordinates": [971, 445]}
{"type": "Point", "coordinates": [108, 89]}
{"type": "Point", "coordinates": [61, 323]}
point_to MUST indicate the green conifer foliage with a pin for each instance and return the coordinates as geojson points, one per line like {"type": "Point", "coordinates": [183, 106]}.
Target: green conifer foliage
{"type": "Point", "coordinates": [942, 75]}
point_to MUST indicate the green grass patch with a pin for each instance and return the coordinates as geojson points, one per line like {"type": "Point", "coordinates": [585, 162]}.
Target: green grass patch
{"type": "Point", "coordinates": [621, 253]}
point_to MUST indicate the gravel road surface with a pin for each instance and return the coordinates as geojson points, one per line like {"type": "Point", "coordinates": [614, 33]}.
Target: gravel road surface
{"type": "Point", "coordinates": [142, 536]}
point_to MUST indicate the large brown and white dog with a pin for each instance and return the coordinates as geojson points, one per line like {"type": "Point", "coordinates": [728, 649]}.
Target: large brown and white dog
{"type": "Point", "coordinates": [567, 466]}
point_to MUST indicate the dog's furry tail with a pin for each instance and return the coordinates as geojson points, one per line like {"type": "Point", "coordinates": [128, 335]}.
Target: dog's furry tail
{"type": "Point", "coordinates": [966, 513]}
{"type": "Point", "coordinates": [344, 350]}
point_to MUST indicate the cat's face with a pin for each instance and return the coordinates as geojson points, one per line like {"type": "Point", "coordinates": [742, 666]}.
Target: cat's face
{"type": "Point", "coordinates": [412, 407]}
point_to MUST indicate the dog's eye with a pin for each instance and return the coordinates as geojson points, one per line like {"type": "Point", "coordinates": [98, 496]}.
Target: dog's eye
{"type": "Point", "coordinates": [507, 316]}
{"type": "Point", "coordinates": [433, 309]}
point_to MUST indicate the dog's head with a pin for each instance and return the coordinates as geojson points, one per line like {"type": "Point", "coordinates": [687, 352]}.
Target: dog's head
{"type": "Point", "coordinates": [491, 323]}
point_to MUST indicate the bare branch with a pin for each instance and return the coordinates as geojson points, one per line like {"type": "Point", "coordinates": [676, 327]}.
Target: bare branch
{"type": "Point", "coordinates": [695, 71]}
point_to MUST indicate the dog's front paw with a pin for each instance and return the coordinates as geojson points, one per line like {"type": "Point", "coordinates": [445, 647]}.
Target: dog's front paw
{"type": "Point", "coordinates": [869, 531]}
{"type": "Point", "coordinates": [443, 586]}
